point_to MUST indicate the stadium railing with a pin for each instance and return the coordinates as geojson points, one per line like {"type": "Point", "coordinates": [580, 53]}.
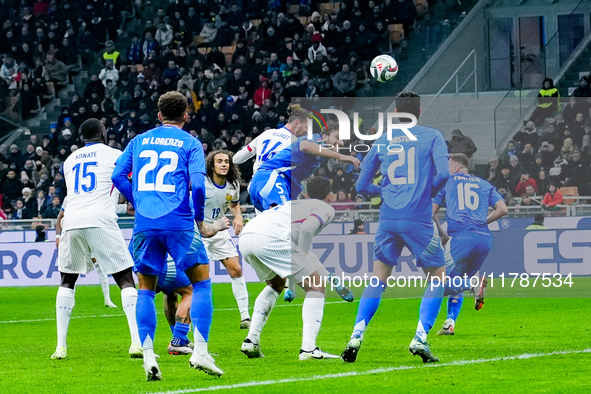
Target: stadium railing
{"type": "Point", "coordinates": [365, 213]}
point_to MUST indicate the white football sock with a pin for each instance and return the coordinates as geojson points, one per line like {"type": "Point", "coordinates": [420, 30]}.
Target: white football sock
{"type": "Point", "coordinates": [64, 302]}
{"type": "Point", "coordinates": [262, 308]}
{"type": "Point", "coordinates": [148, 347]}
{"type": "Point", "coordinates": [129, 301]}
{"type": "Point", "coordinates": [290, 284]}
{"type": "Point", "coordinates": [312, 312]}
{"type": "Point", "coordinates": [241, 294]}
{"type": "Point", "coordinates": [104, 281]}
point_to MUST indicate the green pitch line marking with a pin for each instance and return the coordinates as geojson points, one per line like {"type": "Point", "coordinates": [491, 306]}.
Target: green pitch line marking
{"type": "Point", "coordinates": [256, 383]}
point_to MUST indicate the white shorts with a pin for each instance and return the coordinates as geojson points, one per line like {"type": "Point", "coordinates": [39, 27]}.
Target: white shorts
{"type": "Point", "coordinates": [220, 246]}
{"type": "Point", "coordinates": [78, 246]}
{"type": "Point", "coordinates": [270, 256]}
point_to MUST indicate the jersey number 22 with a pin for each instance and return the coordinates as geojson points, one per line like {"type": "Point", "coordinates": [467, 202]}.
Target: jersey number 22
{"type": "Point", "coordinates": [158, 185]}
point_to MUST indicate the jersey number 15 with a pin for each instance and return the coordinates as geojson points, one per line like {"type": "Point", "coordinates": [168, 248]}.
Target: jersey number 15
{"type": "Point", "coordinates": [87, 178]}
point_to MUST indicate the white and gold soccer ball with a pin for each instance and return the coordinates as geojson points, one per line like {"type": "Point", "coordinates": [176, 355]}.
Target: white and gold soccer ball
{"type": "Point", "coordinates": [383, 68]}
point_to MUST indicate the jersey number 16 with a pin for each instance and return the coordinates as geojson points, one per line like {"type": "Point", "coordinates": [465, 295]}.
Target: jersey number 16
{"type": "Point", "coordinates": [467, 198]}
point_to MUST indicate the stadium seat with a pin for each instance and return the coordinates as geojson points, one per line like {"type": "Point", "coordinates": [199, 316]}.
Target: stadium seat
{"type": "Point", "coordinates": [569, 191]}
{"type": "Point", "coordinates": [303, 19]}
{"type": "Point", "coordinates": [326, 7]}
{"type": "Point", "coordinates": [228, 51]}
{"type": "Point", "coordinates": [256, 22]}
{"type": "Point", "coordinates": [140, 68]}
{"type": "Point", "coordinates": [294, 8]}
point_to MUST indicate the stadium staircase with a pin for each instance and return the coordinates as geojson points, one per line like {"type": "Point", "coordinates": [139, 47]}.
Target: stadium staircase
{"type": "Point", "coordinates": [580, 68]}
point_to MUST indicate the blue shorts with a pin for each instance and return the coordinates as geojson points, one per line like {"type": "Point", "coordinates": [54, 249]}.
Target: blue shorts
{"type": "Point", "coordinates": [268, 188]}
{"type": "Point", "coordinates": [422, 239]}
{"type": "Point", "coordinates": [172, 278]}
{"type": "Point", "coordinates": [465, 253]}
{"type": "Point", "coordinates": [150, 250]}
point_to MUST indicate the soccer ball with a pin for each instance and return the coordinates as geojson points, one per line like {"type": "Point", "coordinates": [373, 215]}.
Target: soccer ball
{"type": "Point", "coordinates": [383, 68]}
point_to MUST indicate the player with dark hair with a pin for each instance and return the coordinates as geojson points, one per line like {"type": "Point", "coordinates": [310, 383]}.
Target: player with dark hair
{"type": "Point", "coordinates": [467, 199]}
{"type": "Point", "coordinates": [411, 177]}
{"type": "Point", "coordinates": [90, 230]}
{"type": "Point", "coordinates": [276, 244]}
{"type": "Point", "coordinates": [222, 188]}
{"type": "Point", "coordinates": [165, 162]}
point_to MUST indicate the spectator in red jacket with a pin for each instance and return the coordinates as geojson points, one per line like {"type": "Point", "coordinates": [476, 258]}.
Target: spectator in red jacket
{"type": "Point", "coordinates": [524, 182]}
{"type": "Point", "coordinates": [262, 93]}
{"type": "Point", "coordinates": [552, 198]}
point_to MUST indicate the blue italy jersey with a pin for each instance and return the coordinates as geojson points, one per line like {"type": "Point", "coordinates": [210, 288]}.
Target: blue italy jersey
{"type": "Point", "coordinates": [408, 176]}
{"type": "Point", "coordinates": [294, 164]}
{"type": "Point", "coordinates": [162, 161]}
{"type": "Point", "coordinates": [467, 199]}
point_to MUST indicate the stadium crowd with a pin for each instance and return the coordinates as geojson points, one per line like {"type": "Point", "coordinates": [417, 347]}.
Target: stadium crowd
{"type": "Point", "coordinates": [239, 65]}
{"type": "Point", "coordinates": [269, 56]}
{"type": "Point", "coordinates": [550, 154]}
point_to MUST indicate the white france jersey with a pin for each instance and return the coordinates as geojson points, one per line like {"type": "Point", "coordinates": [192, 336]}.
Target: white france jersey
{"type": "Point", "coordinates": [265, 146]}
{"type": "Point", "coordinates": [92, 199]}
{"type": "Point", "coordinates": [218, 199]}
{"type": "Point", "coordinates": [285, 220]}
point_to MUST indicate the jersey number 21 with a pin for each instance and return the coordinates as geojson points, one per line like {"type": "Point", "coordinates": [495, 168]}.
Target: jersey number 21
{"type": "Point", "coordinates": [403, 157]}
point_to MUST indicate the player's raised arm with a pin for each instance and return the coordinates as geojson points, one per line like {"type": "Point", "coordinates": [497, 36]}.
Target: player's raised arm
{"type": "Point", "coordinates": [246, 153]}
{"type": "Point", "coordinates": [123, 167]}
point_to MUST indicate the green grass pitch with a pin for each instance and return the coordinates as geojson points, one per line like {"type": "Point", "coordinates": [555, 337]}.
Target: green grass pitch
{"type": "Point", "coordinates": [486, 354]}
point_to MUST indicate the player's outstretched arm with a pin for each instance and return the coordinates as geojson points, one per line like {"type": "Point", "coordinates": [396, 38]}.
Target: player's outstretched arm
{"type": "Point", "coordinates": [244, 154]}
{"type": "Point", "coordinates": [313, 148]}
{"type": "Point", "coordinates": [209, 230]}
{"type": "Point", "coordinates": [500, 210]}
{"type": "Point", "coordinates": [364, 183]}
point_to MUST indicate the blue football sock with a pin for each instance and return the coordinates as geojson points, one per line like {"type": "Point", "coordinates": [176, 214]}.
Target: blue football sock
{"type": "Point", "coordinates": [454, 305]}
{"type": "Point", "coordinates": [429, 309]}
{"type": "Point", "coordinates": [368, 305]}
{"type": "Point", "coordinates": [180, 331]}
{"type": "Point", "coordinates": [457, 286]}
{"type": "Point", "coordinates": [146, 317]}
{"type": "Point", "coordinates": [202, 310]}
